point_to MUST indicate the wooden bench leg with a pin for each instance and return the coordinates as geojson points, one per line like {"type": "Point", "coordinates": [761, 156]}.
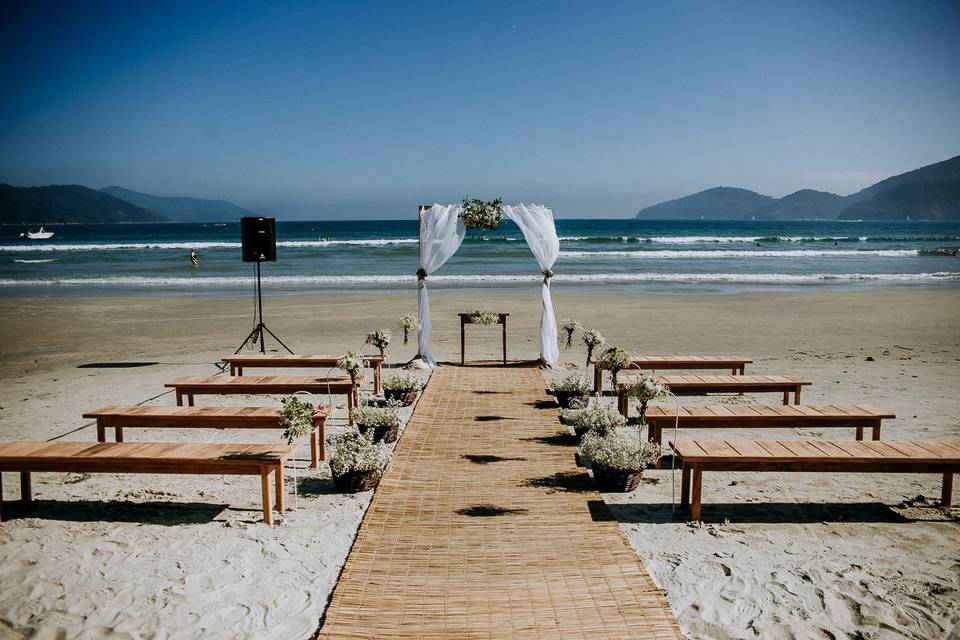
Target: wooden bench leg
{"type": "Point", "coordinates": [684, 485]}
{"type": "Point", "coordinates": [859, 435]}
{"type": "Point", "coordinates": [946, 493]}
{"type": "Point", "coordinates": [278, 481]}
{"type": "Point", "coordinates": [377, 378]}
{"type": "Point", "coordinates": [101, 431]}
{"type": "Point", "coordinates": [179, 398]}
{"type": "Point", "coordinates": [504, 342]}
{"type": "Point", "coordinates": [597, 380]}
{"type": "Point", "coordinates": [190, 400]}
{"type": "Point", "coordinates": [314, 450]}
{"type": "Point", "coordinates": [351, 404]}
{"type": "Point", "coordinates": [26, 494]}
{"type": "Point", "coordinates": [651, 432]}
{"type": "Point", "coordinates": [786, 397]}
{"type": "Point", "coordinates": [623, 404]}
{"type": "Point", "coordinates": [796, 396]}
{"type": "Point", "coordinates": [1, 496]}
{"type": "Point", "coordinates": [696, 490]}
{"type": "Point", "coordinates": [118, 434]}
{"type": "Point", "coordinates": [265, 495]}
{"type": "Point", "coordinates": [876, 430]}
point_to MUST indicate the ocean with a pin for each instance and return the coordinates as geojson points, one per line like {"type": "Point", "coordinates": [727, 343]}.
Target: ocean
{"type": "Point", "coordinates": [374, 256]}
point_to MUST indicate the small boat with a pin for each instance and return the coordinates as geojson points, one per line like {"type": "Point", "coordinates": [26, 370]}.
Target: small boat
{"type": "Point", "coordinates": [39, 234]}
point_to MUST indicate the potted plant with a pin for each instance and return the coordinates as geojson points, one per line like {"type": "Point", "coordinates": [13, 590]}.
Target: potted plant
{"type": "Point", "coordinates": [352, 363]}
{"type": "Point", "coordinates": [479, 214]}
{"type": "Point", "coordinates": [381, 340]}
{"type": "Point", "coordinates": [593, 339]}
{"type": "Point", "coordinates": [402, 388]}
{"type": "Point", "coordinates": [383, 421]}
{"type": "Point", "coordinates": [296, 416]}
{"type": "Point", "coordinates": [408, 323]}
{"type": "Point", "coordinates": [618, 458]}
{"type": "Point", "coordinates": [615, 360]}
{"type": "Point", "coordinates": [485, 318]}
{"type": "Point", "coordinates": [569, 326]}
{"type": "Point", "coordinates": [572, 387]}
{"type": "Point", "coordinates": [356, 461]}
{"type": "Point", "coordinates": [599, 417]}
{"type": "Point", "coordinates": [645, 389]}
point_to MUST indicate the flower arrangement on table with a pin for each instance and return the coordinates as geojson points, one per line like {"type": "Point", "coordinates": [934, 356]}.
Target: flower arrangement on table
{"type": "Point", "coordinates": [381, 340]}
{"type": "Point", "coordinates": [402, 388]}
{"type": "Point", "coordinates": [618, 458]}
{"type": "Point", "coordinates": [570, 388]}
{"type": "Point", "coordinates": [485, 318]}
{"type": "Point", "coordinates": [408, 323]}
{"type": "Point", "coordinates": [352, 363]}
{"type": "Point", "coordinates": [480, 214]}
{"type": "Point", "coordinates": [356, 461]}
{"type": "Point", "coordinates": [645, 389]}
{"type": "Point", "coordinates": [570, 326]}
{"type": "Point", "coordinates": [615, 360]}
{"type": "Point", "coordinates": [296, 418]}
{"type": "Point", "coordinates": [383, 420]}
{"type": "Point", "coordinates": [593, 339]}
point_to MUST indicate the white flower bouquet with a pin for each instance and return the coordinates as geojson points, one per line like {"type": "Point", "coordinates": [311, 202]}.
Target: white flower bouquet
{"type": "Point", "coordinates": [485, 318]}
{"type": "Point", "coordinates": [352, 363]}
{"type": "Point", "coordinates": [479, 214]}
{"type": "Point", "coordinates": [570, 326]}
{"type": "Point", "coordinates": [408, 323]}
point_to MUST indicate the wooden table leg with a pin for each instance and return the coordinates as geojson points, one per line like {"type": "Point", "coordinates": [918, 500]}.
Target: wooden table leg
{"type": "Point", "coordinates": [684, 485]}
{"type": "Point", "coordinates": [265, 495]}
{"type": "Point", "coordinates": [696, 490]}
{"type": "Point", "coordinates": [25, 490]}
{"type": "Point", "coordinates": [463, 342]}
{"type": "Point", "coordinates": [101, 431]}
{"type": "Point", "coordinates": [859, 433]}
{"type": "Point", "coordinates": [946, 494]}
{"type": "Point", "coordinates": [504, 342]}
{"type": "Point", "coordinates": [876, 430]}
{"type": "Point", "coordinates": [597, 379]}
{"type": "Point", "coordinates": [278, 481]}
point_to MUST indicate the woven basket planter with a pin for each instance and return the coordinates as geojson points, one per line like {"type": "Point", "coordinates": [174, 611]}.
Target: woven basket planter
{"type": "Point", "coordinates": [382, 433]}
{"type": "Point", "coordinates": [615, 480]}
{"type": "Point", "coordinates": [579, 432]}
{"type": "Point", "coordinates": [405, 398]}
{"type": "Point", "coordinates": [564, 397]}
{"type": "Point", "coordinates": [356, 481]}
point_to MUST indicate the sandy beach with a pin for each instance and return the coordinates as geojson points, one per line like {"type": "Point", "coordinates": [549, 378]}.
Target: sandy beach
{"type": "Point", "coordinates": [789, 555]}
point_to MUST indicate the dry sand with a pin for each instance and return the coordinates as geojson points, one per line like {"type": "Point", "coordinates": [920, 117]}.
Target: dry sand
{"type": "Point", "coordinates": [803, 555]}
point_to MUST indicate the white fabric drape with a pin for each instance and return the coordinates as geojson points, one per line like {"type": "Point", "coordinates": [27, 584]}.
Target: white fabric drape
{"type": "Point", "coordinates": [536, 223]}
{"type": "Point", "coordinates": [441, 233]}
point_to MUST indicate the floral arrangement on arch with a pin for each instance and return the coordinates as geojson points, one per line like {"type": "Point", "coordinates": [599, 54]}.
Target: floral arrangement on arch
{"type": "Point", "coordinates": [408, 323]}
{"type": "Point", "coordinates": [480, 214]}
{"type": "Point", "coordinates": [485, 318]}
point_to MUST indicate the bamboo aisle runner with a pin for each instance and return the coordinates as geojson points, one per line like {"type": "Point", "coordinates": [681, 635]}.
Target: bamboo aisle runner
{"type": "Point", "coordinates": [484, 527]}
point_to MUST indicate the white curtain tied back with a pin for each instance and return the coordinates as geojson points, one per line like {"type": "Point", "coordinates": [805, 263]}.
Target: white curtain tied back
{"type": "Point", "coordinates": [441, 234]}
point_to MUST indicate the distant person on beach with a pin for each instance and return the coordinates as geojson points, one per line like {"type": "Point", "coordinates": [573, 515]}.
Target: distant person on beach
{"type": "Point", "coordinates": [194, 258]}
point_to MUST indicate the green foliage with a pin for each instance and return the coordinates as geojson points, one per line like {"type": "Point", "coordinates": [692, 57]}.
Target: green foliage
{"type": "Point", "coordinates": [352, 363]}
{"type": "Point", "coordinates": [647, 388]}
{"type": "Point", "coordinates": [380, 338]}
{"type": "Point", "coordinates": [66, 203]}
{"type": "Point", "coordinates": [479, 214]}
{"type": "Point", "coordinates": [296, 418]}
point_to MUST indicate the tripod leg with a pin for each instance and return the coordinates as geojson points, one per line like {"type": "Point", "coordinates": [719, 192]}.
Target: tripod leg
{"type": "Point", "coordinates": [267, 329]}
{"type": "Point", "coordinates": [250, 336]}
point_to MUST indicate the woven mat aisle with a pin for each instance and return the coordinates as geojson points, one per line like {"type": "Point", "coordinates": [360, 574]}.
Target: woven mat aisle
{"type": "Point", "coordinates": [483, 527]}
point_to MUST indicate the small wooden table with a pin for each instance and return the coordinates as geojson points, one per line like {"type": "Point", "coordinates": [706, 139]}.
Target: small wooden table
{"type": "Point", "coordinates": [285, 361]}
{"type": "Point", "coordinates": [736, 364]}
{"type": "Point", "coordinates": [466, 319]}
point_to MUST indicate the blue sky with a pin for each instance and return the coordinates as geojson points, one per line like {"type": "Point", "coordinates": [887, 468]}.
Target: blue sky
{"type": "Point", "coordinates": [355, 109]}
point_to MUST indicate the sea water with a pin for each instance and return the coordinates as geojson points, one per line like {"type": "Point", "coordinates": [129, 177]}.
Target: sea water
{"type": "Point", "coordinates": [376, 256]}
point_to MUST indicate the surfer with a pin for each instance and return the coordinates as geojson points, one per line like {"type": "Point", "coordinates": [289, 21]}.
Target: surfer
{"type": "Point", "coordinates": [194, 258]}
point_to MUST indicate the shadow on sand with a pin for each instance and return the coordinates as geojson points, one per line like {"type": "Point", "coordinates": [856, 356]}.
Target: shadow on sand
{"type": "Point", "coordinates": [759, 512]}
{"type": "Point", "coordinates": [162, 513]}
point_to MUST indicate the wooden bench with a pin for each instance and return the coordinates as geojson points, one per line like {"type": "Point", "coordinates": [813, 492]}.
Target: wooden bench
{"type": "Point", "coordinates": [148, 457]}
{"type": "Point", "coordinates": [239, 363]}
{"type": "Point", "coordinates": [153, 417]}
{"type": "Point", "coordinates": [765, 416]}
{"type": "Point", "coordinates": [702, 385]}
{"type": "Point", "coordinates": [190, 386]}
{"type": "Point", "coordinates": [736, 364]}
{"type": "Point", "coordinates": [812, 455]}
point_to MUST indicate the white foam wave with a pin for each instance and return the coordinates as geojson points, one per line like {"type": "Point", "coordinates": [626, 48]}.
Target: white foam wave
{"type": "Point", "coordinates": [733, 253]}
{"type": "Point", "coordinates": [44, 261]}
{"type": "Point", "coordinates": [161, 246]}
{"type": "Point", "coordinates": [353, 280]}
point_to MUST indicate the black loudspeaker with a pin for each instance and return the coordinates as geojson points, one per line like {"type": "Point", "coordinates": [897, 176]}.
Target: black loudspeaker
{"type": "Point", "coordinates": [259, 237]}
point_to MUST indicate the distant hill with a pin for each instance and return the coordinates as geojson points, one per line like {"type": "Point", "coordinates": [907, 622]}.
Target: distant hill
{"type": "Point", "coordinates": [181, 209]}
{"type": "Point", "coordinates": [715, 203]}
{"type": "Point", "coordinates": [928, 193]}
{"type": "Point", "coordinates": [66, 203]}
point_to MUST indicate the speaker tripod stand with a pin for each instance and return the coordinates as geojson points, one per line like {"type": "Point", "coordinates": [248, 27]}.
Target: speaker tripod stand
{"type": "Point", "coordinates": [258, 331]}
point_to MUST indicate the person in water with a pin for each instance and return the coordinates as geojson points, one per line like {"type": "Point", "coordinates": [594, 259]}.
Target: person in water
{"type": "Point", "coordinates": [194, 258]}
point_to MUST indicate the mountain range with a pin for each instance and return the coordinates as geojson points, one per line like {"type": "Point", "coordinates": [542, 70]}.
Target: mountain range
{"type": "Point", "coordinates": [928, 193]}
{"type": "Point", "coordinates": [72, 203]}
